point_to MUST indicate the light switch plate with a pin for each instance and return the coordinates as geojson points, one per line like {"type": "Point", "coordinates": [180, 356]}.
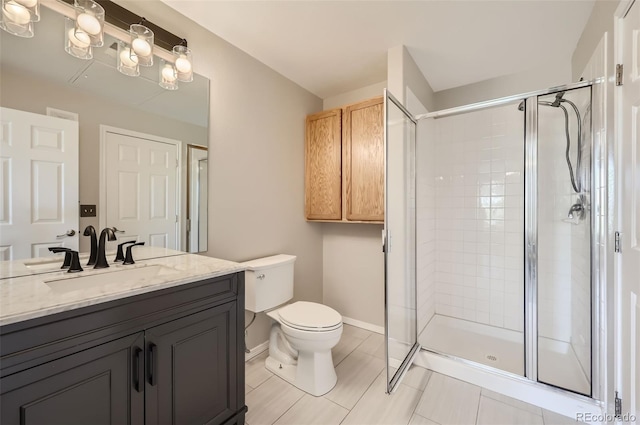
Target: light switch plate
{"type": "Point", "coordinates": [87, 210]}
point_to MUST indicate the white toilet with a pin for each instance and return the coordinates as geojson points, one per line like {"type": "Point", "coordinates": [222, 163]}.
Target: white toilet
{"type": "Point", "coordinates": [303, 333]}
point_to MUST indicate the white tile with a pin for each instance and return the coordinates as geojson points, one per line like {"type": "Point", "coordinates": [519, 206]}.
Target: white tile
{"type": "Point", "coordinates": [374, 345]}
{"type": "Point", "coordinates": [377, 407]}
{"type": "Point", "coordinates": [493, 412]}
{"type": "Point", "coordinates": [512, 402]}
{"type": "Point", "coordinates": [255, 372]}
{"type": "Point", "coordinates": [355, 374]}
{"type": "Point", "coordinates": [553, 418]}
{"type": "Point", "coordinates": [270, 400]}
{"type": "Point", "coordinates": [417, 377]}
{"type": "Point", "coordinates": [449, 401]}
{"type": "Point", "coordinates": [310, 410]}
{"type": "Point", "coordinates": [349, 331]}
{"type": "Point", "coordinates": [419, 420]}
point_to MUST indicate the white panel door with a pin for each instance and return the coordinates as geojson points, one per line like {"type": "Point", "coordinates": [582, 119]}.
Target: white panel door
{"type": "Point", "coordinates": [38, 184]}
{"type": "Point", "coordinates": [141, 189]}
{"type": "Point", "coordinates": [628, 345]}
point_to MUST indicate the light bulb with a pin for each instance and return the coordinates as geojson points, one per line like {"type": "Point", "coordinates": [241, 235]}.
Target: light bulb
{"type": "Point", "coordinates": [127, 59]}
{"type": "Point", "coordinates": [79, 39]}
{"type": "Point", "coordinates": [88, 23]}
{"type": "Point", "coordinates": [183, 65]}
{"type": "Point", "coordinates": [16, 13]}
{"type": "Point", "coordinates": [168, 74]}
{"type": "Point", "coordinates": [27, 3]}
{"type": "Point", "coordinates": [141, 47]}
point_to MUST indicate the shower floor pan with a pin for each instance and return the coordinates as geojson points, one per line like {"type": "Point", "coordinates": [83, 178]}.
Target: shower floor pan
{"type": "Point", "coordinates": [504, 349]}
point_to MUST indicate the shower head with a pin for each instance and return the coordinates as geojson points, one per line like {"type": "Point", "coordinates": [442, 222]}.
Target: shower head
{"type": "Point", "coordinates": [556, 102]}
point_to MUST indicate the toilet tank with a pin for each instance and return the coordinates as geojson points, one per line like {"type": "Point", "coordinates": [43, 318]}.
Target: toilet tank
{"type": "Point", "coordinates": [268, 282]}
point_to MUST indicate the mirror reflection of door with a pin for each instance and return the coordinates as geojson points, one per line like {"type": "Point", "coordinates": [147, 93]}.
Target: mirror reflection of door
{"type": "Point", "coordinates": [197, 171]}
{"type": "Point", "coordinates": [141, 187]}
{"type": "Point", "coordinates": [38, 184]}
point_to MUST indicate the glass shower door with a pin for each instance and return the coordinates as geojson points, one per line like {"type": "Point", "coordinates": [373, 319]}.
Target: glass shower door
{"type": "Point", "coordinates": [399, 241]}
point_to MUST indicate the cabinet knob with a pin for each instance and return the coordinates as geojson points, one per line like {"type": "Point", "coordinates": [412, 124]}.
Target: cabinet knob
{"type": "Point", "coordinates": [260, 276]}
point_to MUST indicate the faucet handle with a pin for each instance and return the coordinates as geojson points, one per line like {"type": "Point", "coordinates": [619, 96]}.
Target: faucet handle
{"type": "Point", "coordinates": [67, 255]}
{"type": "Point", "coordinates": [116, 230]}
{"type": "Point", "coordinates": [129, 257]}
{"type": "Point", "coordinates": [120, 254]}
{"type": "Point", "coordinates": [75, 262]}
{"type": "Point", "coordinates": [71, 258]}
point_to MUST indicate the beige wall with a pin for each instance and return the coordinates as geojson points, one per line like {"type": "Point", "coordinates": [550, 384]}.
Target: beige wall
{"type": "Point", "coordinates": [545, 76]}
{"type": "Point", "coordinates": [403, 74]}
{"type": "Point", "coordinates": [256, 157]}
{"type": "Point", "coordinates": [600, 21]}
{"type": "Point", "coordinates": [352, 254]}
{"type": "Point", "coordinates": [32, 94]}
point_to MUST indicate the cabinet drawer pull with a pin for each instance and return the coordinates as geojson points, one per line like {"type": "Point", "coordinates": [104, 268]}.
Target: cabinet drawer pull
{"type": "Point", "coordinates": [138, 367]}
{"type": "Point", "coordinates": [152, 364]}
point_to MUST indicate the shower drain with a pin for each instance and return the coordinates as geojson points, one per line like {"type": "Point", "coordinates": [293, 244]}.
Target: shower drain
{"type": "Point", "coordinates": [492, 357]}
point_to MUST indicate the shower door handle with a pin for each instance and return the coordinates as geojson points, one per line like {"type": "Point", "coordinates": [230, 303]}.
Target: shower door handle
{"type": "Point", "coordinates": [384, 240]}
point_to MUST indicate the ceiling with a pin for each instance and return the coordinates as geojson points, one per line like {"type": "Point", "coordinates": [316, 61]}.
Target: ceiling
{"type": "Point", "coordinates": [331, 47]}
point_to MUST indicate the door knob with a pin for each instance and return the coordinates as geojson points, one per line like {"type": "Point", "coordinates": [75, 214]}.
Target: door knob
{"type": "Point", "coordinates": [69, 233]}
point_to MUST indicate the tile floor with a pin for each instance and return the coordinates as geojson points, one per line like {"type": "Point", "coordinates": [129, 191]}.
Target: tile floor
{"type": "Point", "coordinates": [423, 398]}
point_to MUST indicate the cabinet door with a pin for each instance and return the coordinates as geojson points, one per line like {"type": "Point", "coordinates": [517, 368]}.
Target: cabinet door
{"type": "Point", "coordinates": [192, 367]}
{"type": "Point", "coordinates": [323, 166]}
{"type": "Point", "coordinates": [95, 386]}
{"type": "Point", "coordinates": [363, 159]}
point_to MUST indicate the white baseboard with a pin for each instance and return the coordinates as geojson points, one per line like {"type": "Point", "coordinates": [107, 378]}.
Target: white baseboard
{"type": "Point", "coordinates": [364, 325]}
{"type": "Point", "coordinates": [255, 351]}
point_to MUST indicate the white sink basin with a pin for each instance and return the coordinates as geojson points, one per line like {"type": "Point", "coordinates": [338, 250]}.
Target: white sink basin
{"type": "Point", "coordinates": [51, 265]}
{"type": "Point", "coordinates": [115, 277]}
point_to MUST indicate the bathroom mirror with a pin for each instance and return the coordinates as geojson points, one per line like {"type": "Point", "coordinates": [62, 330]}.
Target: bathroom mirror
{"type": "Point", "coordinates": [38, 76]}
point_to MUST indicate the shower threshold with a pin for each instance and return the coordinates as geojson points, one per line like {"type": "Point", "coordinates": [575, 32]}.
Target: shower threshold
{"type": "Point", "coordinates": [503, 349]}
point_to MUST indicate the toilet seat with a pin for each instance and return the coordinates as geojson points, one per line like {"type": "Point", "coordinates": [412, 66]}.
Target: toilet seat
{"type": "Point", "coordinates": [310, 317]}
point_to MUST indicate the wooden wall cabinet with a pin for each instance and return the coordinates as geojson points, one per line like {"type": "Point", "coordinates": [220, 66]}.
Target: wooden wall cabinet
{"type": "Point", "coordinates": [344, 164]}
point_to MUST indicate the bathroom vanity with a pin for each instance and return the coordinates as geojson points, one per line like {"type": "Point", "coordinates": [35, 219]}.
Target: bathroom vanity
{"type": "Point", "coordinates": [161, 342]}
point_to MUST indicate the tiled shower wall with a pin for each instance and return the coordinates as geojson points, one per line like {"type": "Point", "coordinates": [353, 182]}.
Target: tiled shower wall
{"type": "Point", "coordinates": [425, 222]}
{"type": "Point", "coordinates": [479, 216]}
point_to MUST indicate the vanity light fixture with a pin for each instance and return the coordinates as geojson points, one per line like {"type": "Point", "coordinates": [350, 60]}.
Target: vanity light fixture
{"type": "Point", "coordinates": [184, 62]}
{"type": "Point", "coordinates": [76, 43]}
{"type": "Point", "coordinates": [89, 21]}
{"type": "Point", "coordinates": [142, 43]}
{"type": "Point", "coordinates": [18, 16]}
{"type": "Point", "coordinates": [126, 60]}
{"type": "Point", "coordinates": [168, 75]}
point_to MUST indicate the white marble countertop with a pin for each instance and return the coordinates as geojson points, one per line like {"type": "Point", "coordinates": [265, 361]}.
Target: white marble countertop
{"type": "Point", "coordinates": [29, 297]}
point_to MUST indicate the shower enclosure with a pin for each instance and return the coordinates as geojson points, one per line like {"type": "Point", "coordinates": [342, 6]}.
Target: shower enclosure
{"type": "Point", "coordinates": [489, 236]}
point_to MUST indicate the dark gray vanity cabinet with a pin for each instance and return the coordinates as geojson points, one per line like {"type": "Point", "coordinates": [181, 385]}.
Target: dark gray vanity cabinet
{"type": "Point", "coordinates": [172, 356]}
{"type": "Point", "coordinates": [89, 387]}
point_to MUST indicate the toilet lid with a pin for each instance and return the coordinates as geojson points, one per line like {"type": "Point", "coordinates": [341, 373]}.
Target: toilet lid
{"type": "Point", "coordinates": [306, 315]}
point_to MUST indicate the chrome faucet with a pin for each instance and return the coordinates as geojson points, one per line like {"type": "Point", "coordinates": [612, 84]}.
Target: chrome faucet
{"type": "Point", "coordinates": [91, 232]}
{"type": "Point", "coordinates": [101, 261]}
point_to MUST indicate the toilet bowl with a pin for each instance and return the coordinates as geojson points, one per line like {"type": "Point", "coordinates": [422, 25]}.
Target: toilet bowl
{"type": "Point", "coordinates": [303, 333]}
{"type": "Point", "coordinates": [300, 344]}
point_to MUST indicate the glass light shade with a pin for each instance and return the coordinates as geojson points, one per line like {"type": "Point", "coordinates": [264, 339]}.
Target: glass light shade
{"type": "Point", "coordinates": [142, 44]}
{"type": "Point", "coordinates": [90, 21]}
{"type": "Point", "coordinates": [127, 60]}
{"type": "Point", "coordinates": [17, 18]}
{"type": "Point", "coordinates": [183, 63]}
{"type": "Point", "coordinates": [168, 78]}
{"type": "Point", "coordinates": [77, 44]}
